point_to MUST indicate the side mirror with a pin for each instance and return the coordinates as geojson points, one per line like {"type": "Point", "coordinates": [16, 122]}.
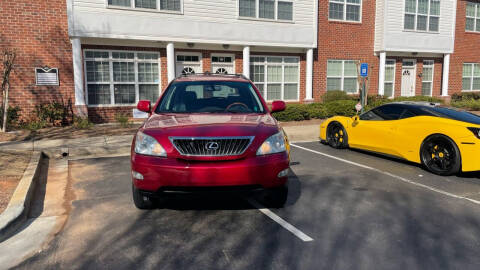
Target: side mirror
{"type": "Point", "coordinates": [356, 118]}
{"type": "Point", "coordinates": [144, 106]}
{"type": "Point", "coordinates": [278, 106]}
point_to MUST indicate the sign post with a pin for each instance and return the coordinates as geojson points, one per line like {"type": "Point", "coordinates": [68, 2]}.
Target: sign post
{"type": "Point", "coordinates": [364, 75]}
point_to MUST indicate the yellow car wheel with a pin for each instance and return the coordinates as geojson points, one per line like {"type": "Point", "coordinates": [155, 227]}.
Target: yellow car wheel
{"type": "Point", "coordinates": [337, 137]}
{"type": "Point", "coordinates": [440, 155]}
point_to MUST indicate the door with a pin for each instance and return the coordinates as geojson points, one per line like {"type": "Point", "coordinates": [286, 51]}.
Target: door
{"type": "Point", "coordinates": [408, 77]}
{"type": "Point", "coordinates": [223, 64]}
{"type": "Point", "coordinates": [188, 63]}
{"type": "Point", "coordinates": [376, 129]}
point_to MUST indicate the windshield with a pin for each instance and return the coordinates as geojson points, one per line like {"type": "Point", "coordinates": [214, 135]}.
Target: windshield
{"type": "Point", "coordinates": [210, 97]}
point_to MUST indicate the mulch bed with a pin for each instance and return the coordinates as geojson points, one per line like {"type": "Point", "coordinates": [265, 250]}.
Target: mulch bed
{"type": "Point", "coordinates": [12, 167]}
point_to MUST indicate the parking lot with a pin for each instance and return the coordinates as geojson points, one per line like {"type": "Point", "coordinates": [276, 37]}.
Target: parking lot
{"type": "Point", "coordinates": [346, 210]}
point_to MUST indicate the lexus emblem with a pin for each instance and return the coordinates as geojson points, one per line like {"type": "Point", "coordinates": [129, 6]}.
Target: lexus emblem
{"type": "Point", "coordinates": [211, 146]}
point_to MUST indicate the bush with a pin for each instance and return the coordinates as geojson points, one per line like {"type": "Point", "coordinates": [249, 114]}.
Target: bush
{"type": "Point", "coordinates": [336, 95]}
{"type": "Point", "coordinates": [13, 115]}
{"type": "Point", "coordinates": [316, 111]}
{"type": "Point", "coordinates": [123, 120]}
{"type": "Point", "coordinates": [34, 125]}
{"type": "Point", "coordinates": [465, 96]}
{"type": "Point", "coordinates": [54, 113]}
{"type": "Point", "coordinates": [471, 104]}
{"type": "Point", "coordinates": [81, 123]}
{"type": "Point", "coordinates": [341, 107]}
{"type": "Point", "coordinates": [293, 112]}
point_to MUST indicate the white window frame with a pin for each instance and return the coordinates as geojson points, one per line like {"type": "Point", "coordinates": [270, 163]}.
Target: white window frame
{"type": "Point", "coordinates": [475, 18]}
{"type": "Point", "coordinates": [265, 82]}
{"type": "Point", "coordinates": [111, 82]}
{"type": "Point", "coordinates": [394, 65]}
{"type": "Point", "coordinates": [416, 17]}
{"type": "Point", "coordinates": [432, 65]}
{"type": "Point", "coordinates": [342, 77]}
{"type": "Point", "coordinates": [223, 55]}
{"type": "Point", "coordinates": [157, 9]}
{"type": "Point", "coordinates": [257, 12]}
{"type": "Point", "coordinates": [471, 77]}
{"type": "Point", "coordinates": [345, 11]}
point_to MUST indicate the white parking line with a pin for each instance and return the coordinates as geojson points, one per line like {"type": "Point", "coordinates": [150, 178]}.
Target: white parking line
{"type": "Point", "coordinates": [389, 174]}
{"type": "Point", "coordinates": [289, 227]}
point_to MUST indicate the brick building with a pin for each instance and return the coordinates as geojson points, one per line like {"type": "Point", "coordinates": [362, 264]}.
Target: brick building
{"type": "Point", "coordinates": [112, 53]}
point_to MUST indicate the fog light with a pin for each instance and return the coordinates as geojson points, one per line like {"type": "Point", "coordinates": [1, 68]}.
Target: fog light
{"type": "Point", "coordinates": [137, 175]}
{"type": "Point", "coordinates": [282, 173]}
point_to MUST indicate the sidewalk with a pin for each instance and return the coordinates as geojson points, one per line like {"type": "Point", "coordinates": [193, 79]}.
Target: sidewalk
{"type": "Point", "coordinates": [115, 144]}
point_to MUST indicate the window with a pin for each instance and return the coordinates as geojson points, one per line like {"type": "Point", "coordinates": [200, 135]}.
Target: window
{"type": "Point", "coordinates": [119, 77]}
{"type": "Point", "coordinates": [389, 112]}
{"type": "Point", "coordinates": [473, 17]}
{"type": "Point", "coordinates": [345, 10]}
{"type": "Point", "coordinates": [427, 77]}
{"type": "Point", "coordinates": [266, 9]}
{"type": "Point", "coordinates": [276, 77]}
{"type": "Point", "coordinates": [161, 5]}
{"type": "Point", "coordinates": [342, 75]}
{"type": "Point", "coordinates": [389, 87]}
{"type": "Point", "coordinates": [422, 15]}
{"type": "Point", "coordinates": [471, 77]}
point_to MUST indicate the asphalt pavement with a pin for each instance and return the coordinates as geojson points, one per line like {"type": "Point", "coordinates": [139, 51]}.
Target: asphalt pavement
{"type": "Point", "coordinates": [346, 210]}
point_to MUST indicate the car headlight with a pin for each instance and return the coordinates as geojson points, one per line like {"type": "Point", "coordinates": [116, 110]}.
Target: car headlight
{"type": "Point", "coordinates": [476, 131]}
{"type": "Point", "coordinates": [274, 144]}
{"type": "Point", "coordinates": [147, 145]}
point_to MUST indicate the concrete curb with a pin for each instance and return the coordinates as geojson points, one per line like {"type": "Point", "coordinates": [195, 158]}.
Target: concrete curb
{"type": "Point", "coordinates": [17, 209]}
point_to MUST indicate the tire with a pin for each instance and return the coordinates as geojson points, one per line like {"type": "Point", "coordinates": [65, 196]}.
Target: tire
{"type": "Point", "coordinates": [337, 137]}
{"type": "Point", "coordinates": [275, 197]}
{"type": "Point", "coordinates": [141, 201]}
{"type": "Point", "coordinates": [440, 155]}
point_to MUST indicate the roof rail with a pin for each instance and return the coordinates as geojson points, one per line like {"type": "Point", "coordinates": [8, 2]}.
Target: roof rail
{"type": "Point", "coordinates": [213, 74]}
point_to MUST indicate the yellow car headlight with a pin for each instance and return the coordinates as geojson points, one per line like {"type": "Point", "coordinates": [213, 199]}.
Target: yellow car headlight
{"type": "Point", "coordinates": [476, 131]}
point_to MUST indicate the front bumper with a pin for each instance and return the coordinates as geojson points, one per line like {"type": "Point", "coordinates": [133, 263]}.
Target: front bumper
{"type": "Point", "coordinates": [164, 173]}
{"type": "Point", "coordinates": [469, 152]}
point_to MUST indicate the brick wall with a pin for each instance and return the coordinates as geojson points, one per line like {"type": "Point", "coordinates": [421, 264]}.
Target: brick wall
{"type": "Point", "coordinates": [467, 45]}
{"type": "Point", "coordinates": [345, 41]}
{"type": "Point", "coordinates": [38, 30]}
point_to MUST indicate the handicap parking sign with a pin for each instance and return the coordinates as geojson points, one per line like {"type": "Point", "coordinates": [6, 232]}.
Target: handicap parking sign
{"type": "Point", "coordinates": [364, 70]}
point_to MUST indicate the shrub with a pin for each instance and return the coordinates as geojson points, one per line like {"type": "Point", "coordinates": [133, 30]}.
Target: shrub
{"type": "Point", "coordinates": [54, 113]}
{"type": "Point", "coordinates": [420, 98]}
{"type": "Point", "coordinates": [336, 95]}
{"type": "Point", "coordinates": [471, 104]}
{"type": "Point", "coordinates": [13, 115]}
{"type": "Point", "coordinates": [123, 120]}
{"type": "Point", "coordinates": [293, 112]}
{"type": "Point", "coordinates": [465, 96]}
{"type": "Point", "coordinates": [341, 107]}
{"type": "Point", "coordinates": [34, 125]}
{"type": "Point", "coordinates": [316, 111]}
{"type": "Point", "coordinates": [81, 122]}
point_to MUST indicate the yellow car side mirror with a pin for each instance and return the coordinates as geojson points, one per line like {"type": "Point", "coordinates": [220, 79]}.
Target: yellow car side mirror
{"type": "Point", "coordinates": [356, 118]}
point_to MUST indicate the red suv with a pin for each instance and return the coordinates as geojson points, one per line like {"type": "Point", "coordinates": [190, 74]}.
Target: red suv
{"type": "Point", "coordinates": [209, 133]}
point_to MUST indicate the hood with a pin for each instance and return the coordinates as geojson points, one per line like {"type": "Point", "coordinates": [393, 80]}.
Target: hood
{"type": "Point", "coordinates": [164, 126]}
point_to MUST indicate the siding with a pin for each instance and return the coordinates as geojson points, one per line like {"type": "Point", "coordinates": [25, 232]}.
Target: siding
{"type": "Point", "coordinates": [397, 39]}
{"type": "Point", "coordinates": [379, 24]}
{"type": "Point", "coordinates": [206, 21]}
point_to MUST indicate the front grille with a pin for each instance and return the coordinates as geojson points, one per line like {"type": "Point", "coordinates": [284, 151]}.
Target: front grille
{"type": "Point", "coordinates": [211, 146]}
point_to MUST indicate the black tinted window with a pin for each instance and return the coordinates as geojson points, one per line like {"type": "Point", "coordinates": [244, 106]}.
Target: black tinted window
{"type": "Point", "coordinates": [389, 112]}
{"type": "Point", "coordinates": [407, 114]}
{"type": "Point", "coordinates": [211, 97]}
{"type": "Point", "coordinates": [454, 114]}
{"type": "Point", "coordinates": [371, 116]}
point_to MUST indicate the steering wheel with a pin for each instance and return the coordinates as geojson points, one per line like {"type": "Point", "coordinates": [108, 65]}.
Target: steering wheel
{"type": "Point", "coordinates": [237, 104]}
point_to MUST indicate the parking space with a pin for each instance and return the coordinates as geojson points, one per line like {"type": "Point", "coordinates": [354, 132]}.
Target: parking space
{"type": "Point", "coordinates": [359, 211]}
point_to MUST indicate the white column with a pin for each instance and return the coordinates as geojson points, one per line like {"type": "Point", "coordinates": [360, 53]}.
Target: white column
{"type": "Point", "coordinates": [170, 62]}
{"type": "Point", "coordinates": [78, 71]}
{"type": "Point", "coordinates": [246, 61]}
{"type": "Point", "coordinates": [309, 76]}
{"type": "Point", "coordinates": [381, 74]}
{"type": "Point", "coordinates": [446, 70]}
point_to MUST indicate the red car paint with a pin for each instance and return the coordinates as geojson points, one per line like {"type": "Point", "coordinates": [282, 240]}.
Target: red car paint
{"type": "Point", "coordinates": [177, 170]}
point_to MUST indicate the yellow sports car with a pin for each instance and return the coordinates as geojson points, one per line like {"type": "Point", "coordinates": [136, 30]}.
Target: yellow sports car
{"type": "Point", "coordinates": [446, 141]}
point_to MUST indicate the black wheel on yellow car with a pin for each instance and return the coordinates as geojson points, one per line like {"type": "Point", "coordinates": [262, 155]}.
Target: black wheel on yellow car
{"type": "Point", "coordinates": [337, 136]}
{"type": "Point", "coordinates": [440, 155]}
